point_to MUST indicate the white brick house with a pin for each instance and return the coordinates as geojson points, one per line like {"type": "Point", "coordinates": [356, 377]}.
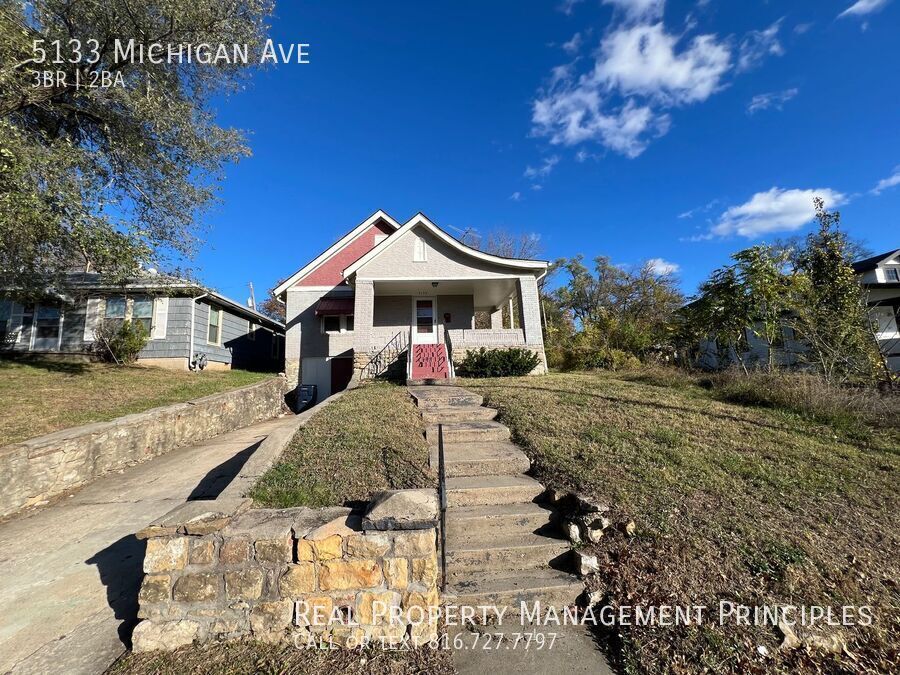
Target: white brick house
{"type": "Point", "coordinates": [356, 308]}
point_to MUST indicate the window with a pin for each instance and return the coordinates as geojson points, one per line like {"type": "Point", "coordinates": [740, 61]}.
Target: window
{"type": "Point", "coordinates": [47, 323]}
{"type": "Point", "coordinates": [419, 254]}
{"type": "Point", "coordinates": [424, 316]}
{"type": "Point", "coordinates": [214, 327]}
{"type": "Point", "coordinates": [337, 323]}
{"type": "Point", "coordinates": [885, 322]}
{"type": "Point", "coordinates": [331, 324]}
{"type": "Point", "coordinates": [142, 312]}
{"type": "Point", "coordinates": [891, 274]}
{"type": "Point", "coordinates": [115, 309]}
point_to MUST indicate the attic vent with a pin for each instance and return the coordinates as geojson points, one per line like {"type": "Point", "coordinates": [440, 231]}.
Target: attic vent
{"type": "Point", "coordinates": [419, 250]}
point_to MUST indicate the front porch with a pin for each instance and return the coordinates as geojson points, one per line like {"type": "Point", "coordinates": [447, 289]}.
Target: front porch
{"type": "Point", "coordinates": [454, 315]}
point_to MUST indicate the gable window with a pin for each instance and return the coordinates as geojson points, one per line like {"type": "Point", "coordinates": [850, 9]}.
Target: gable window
{"type": "Point", "coordinates": [419, 250]}
{"type": "Point", "coordinates": [214, 327]}
{"type": "Point", "coordinates": [891, 274]}
{"type": "Point", "coordinates": [337, 323]}
{"type": "Point", "coordinates": [142, 312]}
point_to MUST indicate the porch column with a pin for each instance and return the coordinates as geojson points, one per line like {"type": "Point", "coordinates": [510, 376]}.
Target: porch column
{"type": "Point", "coordinates": [292, 340]}
{"type": "Point", "coordinates": [363, 316]}
{"type": "Point", "coordinates": [530, 310]}
{"type": "Point", "coordinates": [497, 318]}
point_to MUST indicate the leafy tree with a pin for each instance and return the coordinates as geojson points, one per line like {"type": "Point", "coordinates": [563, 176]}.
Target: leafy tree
{"type": "Point", "coordinates": [724, 312]}
{"type": "Point", "coordinates": [762, 272]}
{"type": "Point", "coordinates": [831, 312]}
{"type": "Point", "coordinates": [112, 179]}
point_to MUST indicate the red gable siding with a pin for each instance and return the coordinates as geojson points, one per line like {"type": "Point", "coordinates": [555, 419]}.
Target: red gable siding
{"type": "Point", "coordinates": [329, 273]}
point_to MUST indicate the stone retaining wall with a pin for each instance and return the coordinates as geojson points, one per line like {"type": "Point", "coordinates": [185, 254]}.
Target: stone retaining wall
{"type": "Point", "coordinates": [33, 471]}
{"type": "Point", "coordinates": [220, 570]}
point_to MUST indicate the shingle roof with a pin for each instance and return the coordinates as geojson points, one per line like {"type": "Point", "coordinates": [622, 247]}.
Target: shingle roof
{"type": "Point", "coordinates": [870, 264]}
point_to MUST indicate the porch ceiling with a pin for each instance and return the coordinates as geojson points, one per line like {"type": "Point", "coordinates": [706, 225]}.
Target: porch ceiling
{"type": "Point", "coordinates": [485, 292]}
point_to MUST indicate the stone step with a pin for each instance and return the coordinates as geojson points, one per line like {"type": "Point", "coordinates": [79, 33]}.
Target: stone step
{"type": "Point", "coordinates": [500, 458]}
{"type": "Point", "coordinates": [550, 587]}
{"type": "Point", "coordinates": [469, 432]}
{"type": "Point", "coordinates": [498, 551]}
{"type": "Point", "coordinates": [428, 397]}
{"type": "Point", "coordinates": [480, 519]}
{"type": "Point", "coordinates": [457, 413]}
{"type": "Point", "coordinates": [487, 490]}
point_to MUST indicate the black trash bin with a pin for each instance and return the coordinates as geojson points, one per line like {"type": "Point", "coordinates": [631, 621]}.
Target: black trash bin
{"type": "Point", "coordinates": [306, 396]}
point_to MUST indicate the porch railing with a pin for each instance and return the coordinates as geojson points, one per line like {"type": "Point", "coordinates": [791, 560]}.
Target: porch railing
{"type": "Point", "coordinates": [386, 356]}
{"type": "Point", "coordinates": [486, 337]}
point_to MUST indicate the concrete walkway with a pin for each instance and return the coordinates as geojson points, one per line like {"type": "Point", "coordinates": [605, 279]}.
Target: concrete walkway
{"type": "Point", "coordinates": [70, 573]}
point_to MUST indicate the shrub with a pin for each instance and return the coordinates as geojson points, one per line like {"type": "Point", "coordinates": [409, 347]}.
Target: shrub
{"type": "Point", "coordinates": [120, 342]}
{"type": "Point", "coordinates": [581, 358]}
{"type": "Point", "coordinates": [498, 362]}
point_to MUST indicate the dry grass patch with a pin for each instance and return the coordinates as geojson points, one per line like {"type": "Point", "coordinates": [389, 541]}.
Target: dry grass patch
{"type": "Point", "coordinates": [41, 396]}
{"type": "Point", "coordinates": [371, 439]}
{"type": "Point", "coordinates": [255, 657]}
{"type": "Point", "coordinates": [733, 503]}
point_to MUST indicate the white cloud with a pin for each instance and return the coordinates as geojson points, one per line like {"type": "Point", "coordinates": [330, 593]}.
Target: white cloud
{"type": "Point", "coordinates": [516, 196]}
{"type": "Point", "coordinates": [537, 187]}
{"type": "Point", "coordinates": [639, 10]}
{"type": "Point", "coordinates": [645, 60]}
{"type": "Point", "coordinates": [774, 211]}
{"type": "Point", "coordinates": [889, 182]}
{"type": "Point", "coordinates": [663, 267]}
{"type": "Point", "coordinates": [699, 209]}
{"type": "Point", "coordinates": [772, 99]}
{"type": "Point", "coordinates": [757, 45]}
{"type": "Point", "coordinates": [863, 7]}
{"type": "Point", "coordinates": [568, 6]}
{"type": "Point", "coordinates": [544, 169]}
{"type": "Point", "coordinates": [639, 70]}
{"type": "Point", "coordinates": [573, 46]}
{"type": "Point", "coordinates": [802, 28]}
{"type": "Point", "coordinates": [574, 115]}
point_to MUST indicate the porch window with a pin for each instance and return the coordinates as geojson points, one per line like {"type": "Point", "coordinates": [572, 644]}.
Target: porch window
{"type": "Point", "coordinates": [214, 327]}
{"type": "Point", "coordinates": [142, 312]}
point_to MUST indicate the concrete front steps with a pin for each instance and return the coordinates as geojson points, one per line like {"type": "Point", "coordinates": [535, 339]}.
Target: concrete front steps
{"type": "Point", "coordinates": [498, 551]}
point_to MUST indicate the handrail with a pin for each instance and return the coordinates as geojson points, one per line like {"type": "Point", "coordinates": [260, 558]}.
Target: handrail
{"type": "Point", "coordinates": [409, 355]}
{"type": "Point", "coordinates": [380, 362]}
{"type": "Point", "coordinates": [448, 345]}
{"type": "Point", "coordinates": [442, 495]}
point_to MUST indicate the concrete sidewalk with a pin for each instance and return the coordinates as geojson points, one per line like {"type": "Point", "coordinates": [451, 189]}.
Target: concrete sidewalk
{"type": "Point", "coordinates": [70, 573]}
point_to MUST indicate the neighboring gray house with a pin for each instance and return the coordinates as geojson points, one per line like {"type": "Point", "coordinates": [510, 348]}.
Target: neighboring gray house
{"type": "Point", "coordinates": [403, 295]}
{"type": "Point", "coordinates": [880, 276]}
{"type": "Point", "coordinates": [183, 320]}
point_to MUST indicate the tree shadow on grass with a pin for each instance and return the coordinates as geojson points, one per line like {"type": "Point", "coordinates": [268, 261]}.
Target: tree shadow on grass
{"type": "Point", "coordinates": [66, 367]}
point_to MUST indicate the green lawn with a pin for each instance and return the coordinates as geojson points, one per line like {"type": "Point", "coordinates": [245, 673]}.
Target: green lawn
{"type": "Point", "coordinates": [254, 657]}
{"type": "Point", "coordinates": [41, 396]}
{"type": "Point", "coordinates": [371, 439]}
{"type": "Point", "coordinates": [731, 502]}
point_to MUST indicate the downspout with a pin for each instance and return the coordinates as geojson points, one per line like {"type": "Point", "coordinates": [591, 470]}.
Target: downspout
{"type": "Point", "coordinates": [193, 309]}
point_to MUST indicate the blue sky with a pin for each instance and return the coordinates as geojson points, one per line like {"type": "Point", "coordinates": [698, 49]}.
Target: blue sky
{"type": "Point", "coordinates": [637, 129]}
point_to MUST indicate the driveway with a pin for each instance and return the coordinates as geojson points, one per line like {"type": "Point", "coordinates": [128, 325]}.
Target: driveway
{"type": "Point", "coordinates": [71, 571]}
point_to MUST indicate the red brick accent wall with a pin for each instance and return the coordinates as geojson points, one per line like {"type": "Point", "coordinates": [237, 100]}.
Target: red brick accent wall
{"type": "Point", "coordinates": [329, 273]}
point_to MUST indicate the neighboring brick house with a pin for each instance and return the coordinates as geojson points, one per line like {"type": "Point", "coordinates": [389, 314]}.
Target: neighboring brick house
{"type": "Point", "coordinates": [183, 321]}
{"type": "Point", "coordinates": [354, 310]}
